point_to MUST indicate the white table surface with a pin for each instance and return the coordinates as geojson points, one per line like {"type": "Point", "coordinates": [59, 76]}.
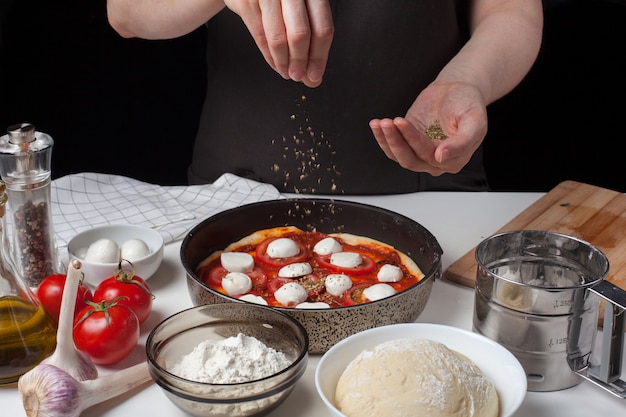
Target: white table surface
{"type": "Point", "coordinates": [458, 220]}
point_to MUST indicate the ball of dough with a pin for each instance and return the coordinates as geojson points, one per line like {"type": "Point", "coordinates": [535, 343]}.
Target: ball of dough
{"type": "Point", "coordinates": [417, 378]}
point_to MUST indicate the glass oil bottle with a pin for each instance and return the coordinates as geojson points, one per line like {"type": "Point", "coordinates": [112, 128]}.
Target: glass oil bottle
{"type": "Point", "coordinates": [27, 332]}
{"type": "Point", "coordinates": [25, 159]}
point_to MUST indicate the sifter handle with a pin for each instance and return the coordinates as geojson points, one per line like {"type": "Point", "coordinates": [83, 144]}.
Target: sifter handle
{"type": "Point", "coordinates": [607, 373]}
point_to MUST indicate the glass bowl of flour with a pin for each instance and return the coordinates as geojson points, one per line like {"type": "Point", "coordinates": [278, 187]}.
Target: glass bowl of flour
{"type": "Point", "coordinates": [227, 359]}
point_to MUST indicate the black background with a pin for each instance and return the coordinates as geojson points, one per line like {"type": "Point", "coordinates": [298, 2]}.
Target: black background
{"type": "Point", "coordinates": [130, 107]}
{"type": "Point", "coordinates": [114, 105]}
{"type": "Point", "coordinates": [567, 118]}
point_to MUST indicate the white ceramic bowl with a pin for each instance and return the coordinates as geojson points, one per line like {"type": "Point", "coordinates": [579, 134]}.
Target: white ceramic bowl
{"type": "Point", "coordinates": [95, 272]}
{"type": "Point", "coordinates": [494, 360]}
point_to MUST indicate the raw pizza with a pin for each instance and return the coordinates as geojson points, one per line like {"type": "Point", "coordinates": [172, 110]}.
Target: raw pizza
{"type": "Point", "coordinates": [289, 267]}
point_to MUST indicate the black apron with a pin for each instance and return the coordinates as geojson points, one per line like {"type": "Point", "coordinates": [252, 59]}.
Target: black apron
{"type": "Point", "coordinates": [317, 140]}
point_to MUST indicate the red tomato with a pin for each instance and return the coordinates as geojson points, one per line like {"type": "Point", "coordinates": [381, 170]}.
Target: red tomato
{"type": "Point", "coordinates": [277, 282]}
{"type": "Point", "coordinates": [259, 279]}
{"type": "Point", "coordinates": [107, 331]}
{"type": "Point", "coordinates": [134, 291]}
{"type": "Point", "coordinates": [354, 295]}
{"type": "Point", "coordinates": [50, 294]}
{"type": "Point", "coordinates": [366, 266]}
{"type": "Point", "coordinates": [263, 257]}
{"type": "Point", "coordinates": [215, 275]}
{"type": "Point", "coordinates": [313, 285]}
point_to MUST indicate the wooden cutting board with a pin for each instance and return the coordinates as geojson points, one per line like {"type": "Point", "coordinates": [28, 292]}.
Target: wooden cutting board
{"type": "Point", "coordinates": [596, 215]}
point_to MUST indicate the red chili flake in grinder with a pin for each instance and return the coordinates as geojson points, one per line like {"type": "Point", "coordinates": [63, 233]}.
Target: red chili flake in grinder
{"type": "Point", "coordinates": [32, 227]}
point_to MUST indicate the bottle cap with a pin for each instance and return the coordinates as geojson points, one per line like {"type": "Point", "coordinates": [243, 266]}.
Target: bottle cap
{"type": "Point", "coordinates": [21, 133]}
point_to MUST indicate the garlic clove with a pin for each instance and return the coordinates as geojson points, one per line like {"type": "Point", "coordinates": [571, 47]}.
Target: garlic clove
{"type": "Point", "coordinates": [66, 356]}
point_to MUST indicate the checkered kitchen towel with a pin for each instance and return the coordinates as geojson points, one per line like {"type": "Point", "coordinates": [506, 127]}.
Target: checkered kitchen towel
{"type": "Point", "coordinates": [86, 200]}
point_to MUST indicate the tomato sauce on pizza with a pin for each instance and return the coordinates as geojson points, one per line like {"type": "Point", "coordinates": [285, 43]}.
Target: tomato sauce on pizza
{"type": "Point", "coordinates": [289, 267]}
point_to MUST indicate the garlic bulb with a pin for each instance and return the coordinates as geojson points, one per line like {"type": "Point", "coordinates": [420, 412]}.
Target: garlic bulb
{"type": "Point", "coordinates": [76, 363]}
{"type": "Point", "coordinates": [67, 382]}
{"type": "Point", "coordinates": [48, 391]}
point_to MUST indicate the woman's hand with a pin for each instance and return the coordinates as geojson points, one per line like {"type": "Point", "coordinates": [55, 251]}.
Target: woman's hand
{"type": "Point", "coordinates": [461, 112]}
{"type": "Point", "coordinates": [294, 36]}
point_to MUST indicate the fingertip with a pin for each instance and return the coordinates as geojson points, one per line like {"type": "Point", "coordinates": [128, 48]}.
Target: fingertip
{"type": "Point", "coordinates": [442, 155]}
{"type": "Point", "coordinates": [386, 123]}
{"type": "Point", "coordinates": [296, 75]}
{"type": "Point", "coordinates": [400, 122]}
{"type": "Point", "coordinates": [315, 76]}
{"type": "Point", "coordinates": [311, 83]}
{"type": "Point", "coordinates": [280, 70]}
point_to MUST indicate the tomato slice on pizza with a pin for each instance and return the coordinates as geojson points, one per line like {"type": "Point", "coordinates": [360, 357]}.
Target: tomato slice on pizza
{"type": "Point", "coordinates": [282, 251]}
{"type": "Point", "coordinates": [217, 274]}
{"type": "Point", "coordinates": [364, 264]}
{"type": "Point", "coordinates": [289, 267]}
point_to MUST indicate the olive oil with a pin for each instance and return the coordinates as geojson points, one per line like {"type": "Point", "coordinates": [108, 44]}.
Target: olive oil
{"type": "Point", "coordinates": [27, 332]}
{"type": "Point", "coordinates": [27, 336]}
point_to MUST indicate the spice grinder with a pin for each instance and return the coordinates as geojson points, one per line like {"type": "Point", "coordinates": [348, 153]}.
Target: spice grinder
{"type": "Point", "coordinates": [538, 293]}
{"type": "Point", "coordinates": [25, 156]}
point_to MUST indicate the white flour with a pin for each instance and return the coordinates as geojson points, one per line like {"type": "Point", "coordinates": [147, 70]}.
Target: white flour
{"type": "Point", "coordinates": [236, 359]}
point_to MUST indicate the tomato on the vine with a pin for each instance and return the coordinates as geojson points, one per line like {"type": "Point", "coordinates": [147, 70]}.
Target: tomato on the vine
{"type": "Point", "coordinates": [107, 331]}
{"type": "Point", "coordinates": [133, 290]}
{"type": "Point", "coordinates": [50, 293]}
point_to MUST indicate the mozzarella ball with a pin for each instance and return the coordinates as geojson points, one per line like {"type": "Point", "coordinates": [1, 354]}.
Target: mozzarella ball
{"type": "Point", "coordinates": [327, 246]}
{"type": "Point", "coordinates": [236, 283]}
{"type": "Point", "coordinates": [337, 284]}
{"type": "Point", "coordinates": [134, 249]}
{"type": "Point", "coordinates": [80, 253]}
{"type": "Point", "coordinates": [237, 261]}
{"type": "Point", "coordinates": [389, 273]}
{"type": "Point", "coordinates": [103, 250]}
{"type": "Point", "coordinates": [283, 247]}
{"type": "Point", "coordinates": [346, 259]}
{"type": "Point", "coordinates": [291, 294]}
{"type": "Point", "coordinates": [298, 269]}
{"type": "Point", "coordinates": [379, 291]}
{"type": "Point", "coordinates": [309, 305]}
{"type": "Point", "coordinates": [251, 298]}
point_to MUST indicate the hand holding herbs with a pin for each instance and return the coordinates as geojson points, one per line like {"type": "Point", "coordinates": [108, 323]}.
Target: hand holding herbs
{"type": "Point", "coordinates": [66, 383]}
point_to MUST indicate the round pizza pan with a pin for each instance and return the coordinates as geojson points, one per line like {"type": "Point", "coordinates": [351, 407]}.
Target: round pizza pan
{"type": "Point", "coordinates": [325, 327]}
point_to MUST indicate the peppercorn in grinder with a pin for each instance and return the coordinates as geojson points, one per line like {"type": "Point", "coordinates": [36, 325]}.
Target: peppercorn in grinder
{"type": "Point", "coordinates": [25, 159]}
